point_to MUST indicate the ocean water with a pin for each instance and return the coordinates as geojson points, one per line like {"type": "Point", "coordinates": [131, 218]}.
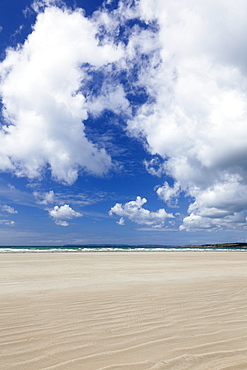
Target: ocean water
{"type": "Point", "coordinates": [117, 248]}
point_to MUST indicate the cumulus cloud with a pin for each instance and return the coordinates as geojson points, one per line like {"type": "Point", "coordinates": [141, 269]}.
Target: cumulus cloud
{"type": "Point", "coordinates": [169, 194]}
{"type": "Point", "coordinates": [44, 198]}
{"type": "Point", "coordinates": [136, 213]}
{"type": "Point", "coordinates": [43, 106]}
{"type": "Point", "coordinates": [8, 209]}
{"type": "Point", "coordinates": [41, 4]}
{"type": "Point", "coordinates": [7, 222]}
{"type": "Point", "coordinates": [233, 221]}
{"type": "Point", "coordinates": [61, 214]}
{"type": "Point", "coordinates": [155, 167]}
{"type": "Point", "coordinates": [181, 90]}
{"type": "Point", "coordinates": [121, 221]}
{"type": "Point", "coordinates": [197, 118]}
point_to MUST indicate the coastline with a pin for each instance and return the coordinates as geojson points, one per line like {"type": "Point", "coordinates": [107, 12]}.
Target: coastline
{"type": "Point", "coordinates": [142, 311]}
{"type": "Point", "coordinates": [123, 248]}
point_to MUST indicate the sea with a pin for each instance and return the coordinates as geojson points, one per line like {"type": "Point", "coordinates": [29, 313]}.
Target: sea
{"type": "Point", "coordinates": [119, 248]}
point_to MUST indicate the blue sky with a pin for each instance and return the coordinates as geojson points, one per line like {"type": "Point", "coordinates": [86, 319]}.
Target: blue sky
{"type": "Point", "coordinates": [123, 122]}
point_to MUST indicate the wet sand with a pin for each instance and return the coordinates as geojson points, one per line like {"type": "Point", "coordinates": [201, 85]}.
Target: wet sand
{"type": "Point", "coordinates": [135, 311]}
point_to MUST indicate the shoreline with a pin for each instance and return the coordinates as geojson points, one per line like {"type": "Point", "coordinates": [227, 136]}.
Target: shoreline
{"type": "Point", "coordinates": [122, 248]}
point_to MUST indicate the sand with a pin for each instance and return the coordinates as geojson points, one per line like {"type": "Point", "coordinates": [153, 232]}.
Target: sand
{"type": "Point", "coordinates": [159, 310]}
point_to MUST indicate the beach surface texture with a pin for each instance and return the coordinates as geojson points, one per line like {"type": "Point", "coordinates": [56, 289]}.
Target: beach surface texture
{"type": "Point", "coordinates": [135, 311]}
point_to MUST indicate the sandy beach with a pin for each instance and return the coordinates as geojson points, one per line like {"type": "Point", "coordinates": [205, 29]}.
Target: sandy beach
{"type": "Point", "coordinates": [95, 311]}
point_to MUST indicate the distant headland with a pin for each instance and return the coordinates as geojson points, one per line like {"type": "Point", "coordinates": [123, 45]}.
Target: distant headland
{"type": "Point", "coordinates": [218, 245]}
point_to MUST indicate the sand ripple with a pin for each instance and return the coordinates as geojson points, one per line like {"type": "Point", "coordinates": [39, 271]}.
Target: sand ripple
{"type": "Point", "coordinates": [119, 311]}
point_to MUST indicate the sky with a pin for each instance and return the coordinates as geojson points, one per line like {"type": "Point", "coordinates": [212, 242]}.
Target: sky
{"type": "Point", "coordinates": [123, 122]}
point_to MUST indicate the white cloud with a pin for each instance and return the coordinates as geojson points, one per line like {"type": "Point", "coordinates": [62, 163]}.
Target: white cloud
{"type": "Point", "coordinates": [43, 107]}
{"type": "Point", "coordinates": [133, 211]}
{"type": "Point", "coordinates": [121, 221]}
{"type": "Point", "coordinates": [192, 68]}
{"type": "Point", "coordinates": [44, 198]}
{"type": "Point", "coordinates": [8, 209]}
{"type": "Point", "coordinates": [112, 98]}
{"type": "Point", "coordinates": [197, 118]}
{"type": "Point", "coordinates": [222, 205]}
{"type": "Point", "coordinates": [61, 214]}
{"type": "Point", "coordinates": [38, 5]}
{"type": "Point", "coordinates": [155, 167]}
{"type": "Point", "coordinates": [61, 223]}
{"type": "Point", "coordinates": [169, 194]}
{"type": "Point", "coordinates": [10, 223]}
{"type": "Point", "coordinates": [7, 222]}
{"type": "Point", "coordinates": [197, 222]}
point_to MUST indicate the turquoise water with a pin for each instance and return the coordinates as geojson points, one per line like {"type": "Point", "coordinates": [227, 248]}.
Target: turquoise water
{"type": "Point", "coordinates": [115, 248]}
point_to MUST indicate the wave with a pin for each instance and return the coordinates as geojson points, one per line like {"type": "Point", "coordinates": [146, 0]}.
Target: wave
{"type": "Point", "coordinates": [112, 248]}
